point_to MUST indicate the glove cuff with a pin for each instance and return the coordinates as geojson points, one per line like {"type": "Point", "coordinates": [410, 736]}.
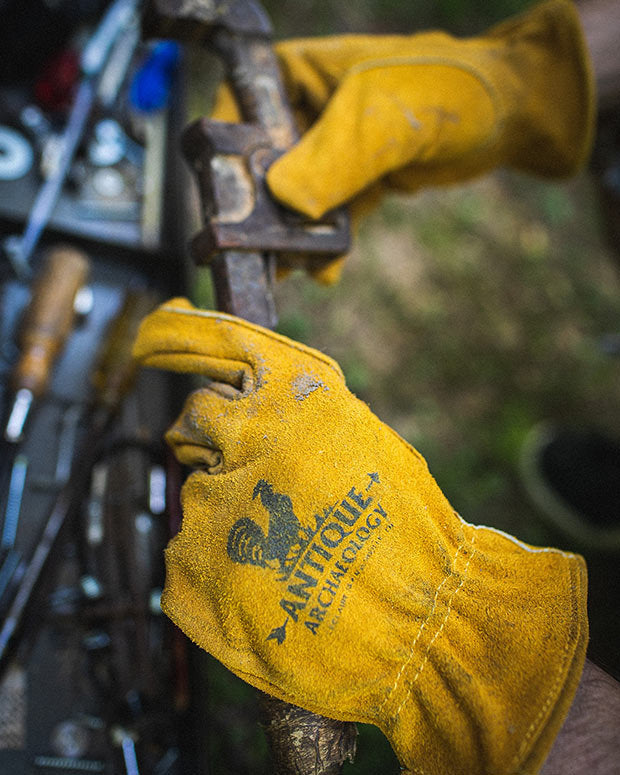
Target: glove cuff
{"type": "Point", "coordinates": [494, 668]}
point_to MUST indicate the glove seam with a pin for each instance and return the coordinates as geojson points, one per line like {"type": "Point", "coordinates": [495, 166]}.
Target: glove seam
{"type": "Point", "coordinates": [465, 67]}
{"type": "Point", "coordinates": [535, 725]}
{"type": "Point", "coordinates": [421, 629]}
{"type": "Point", "coordinates": [443, 624]}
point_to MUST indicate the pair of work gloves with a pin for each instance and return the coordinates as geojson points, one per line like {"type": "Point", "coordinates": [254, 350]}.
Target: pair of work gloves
{"type": "Point", "coordinates": [318, 559]}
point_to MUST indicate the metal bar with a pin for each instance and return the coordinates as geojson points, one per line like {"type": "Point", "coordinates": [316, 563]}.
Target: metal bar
{"type": "Point", "coordinates": [20, 249]}
{"type": "Point", "coordinates": [300, 741]}
{"type": "Point", "coordinates": [14, 501]}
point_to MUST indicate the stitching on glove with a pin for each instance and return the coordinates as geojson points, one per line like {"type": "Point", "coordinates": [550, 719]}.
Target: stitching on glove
{"type": "Point", "coordinates": [443, 624]}
{"type": "Point", "coordinates": [256, 329]}
{"type": "Point", "coordinates": [491, 91]}
{"type": "Point", "coordinates": [517, 542]}
{"type": "Point", "coordinates": [536, 724]}
{"type": "Point", "coordinates": [417, 637]}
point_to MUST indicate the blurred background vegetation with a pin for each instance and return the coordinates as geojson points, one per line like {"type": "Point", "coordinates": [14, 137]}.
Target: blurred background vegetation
{"type": "Point", "coordinates": [464, 317]}
{"type": "Point", "coordinates": [327, 17]}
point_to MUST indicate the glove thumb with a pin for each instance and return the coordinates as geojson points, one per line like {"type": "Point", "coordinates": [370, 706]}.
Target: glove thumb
{"type": "Point", "coordinates": [372, 127]}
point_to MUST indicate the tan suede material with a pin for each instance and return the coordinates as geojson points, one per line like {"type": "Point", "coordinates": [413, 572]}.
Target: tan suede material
{"type": "Point", "coordinates": [425, 109]}
{"type": "Point", "coordinates": [320, 562]}
{"type": "Point", "coordinates": [408, 111]}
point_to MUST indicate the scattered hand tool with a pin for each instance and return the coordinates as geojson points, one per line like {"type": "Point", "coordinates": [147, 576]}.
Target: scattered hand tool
{"type": "Point", "coordinates": [125, 741]}
{"type": "Point", "coordinates": [112, 378]}
{"type": "Point", "coordinates": [47, 322]}
{"type": "Point", "coordinates": [10, 557]}
{"type": "Point", "coordinates": [46, 325]}
{"type": "Point", "coordinates": [68, 428]}
{"type": "Point", "coordinates": [19, 249]}
{"type": "Point", "coordinates": [14, 502]}
{"type": "Point", "coordinates": [243, 227]}
{"type": "Point", "coordinates": [121, 556]}
{"type": "Point", "coordinates": [116, 70]}
{"type": "Point", "coordinates": [69, 764]}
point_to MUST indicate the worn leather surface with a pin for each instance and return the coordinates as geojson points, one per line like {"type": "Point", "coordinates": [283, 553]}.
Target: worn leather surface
{"type": "Point", "coordinates": [319, 561]}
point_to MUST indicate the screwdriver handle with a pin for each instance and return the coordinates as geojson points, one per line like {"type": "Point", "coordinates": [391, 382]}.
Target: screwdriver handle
{"type": "Point", "coordinates": [116, 368]}
{"type": "Point", "coordinates": [49, 318]}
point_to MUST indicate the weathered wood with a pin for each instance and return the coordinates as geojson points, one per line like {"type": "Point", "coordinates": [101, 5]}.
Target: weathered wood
{"type": "Point", "coordinates": [303, 743]}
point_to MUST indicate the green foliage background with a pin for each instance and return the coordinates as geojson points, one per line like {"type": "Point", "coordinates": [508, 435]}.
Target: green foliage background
{"type": "Point", "coordinates": [326, 17]}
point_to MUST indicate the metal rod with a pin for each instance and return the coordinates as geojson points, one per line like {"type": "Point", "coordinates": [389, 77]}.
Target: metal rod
{"type": "Point", "coordinates": [14, 501]}
{"type": "Point", "coordinates": [20, 249]}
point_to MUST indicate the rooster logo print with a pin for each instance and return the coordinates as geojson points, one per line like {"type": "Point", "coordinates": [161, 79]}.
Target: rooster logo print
{"type": "Point", "coordinates": [311, 561]}
{"type": "Point", "coordinates": [247, 542]}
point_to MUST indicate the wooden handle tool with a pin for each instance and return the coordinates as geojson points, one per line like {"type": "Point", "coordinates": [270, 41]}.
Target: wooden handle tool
{"type": "Point", "coordinates": [46, 325]}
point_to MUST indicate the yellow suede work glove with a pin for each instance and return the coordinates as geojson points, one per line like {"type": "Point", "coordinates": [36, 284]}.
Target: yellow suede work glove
{"type": "Point", "coordinates": [404, 112]}
{"type": "Point", "coordinates": [320, 562]}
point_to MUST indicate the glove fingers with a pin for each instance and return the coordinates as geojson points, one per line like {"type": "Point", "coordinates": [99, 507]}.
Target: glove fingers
{"type": "Point", "coordinates": [225, 424]}
{"type": "Point", "coordinates": [360, 137]}
{"type": "Point", "coordinates": [313, 68]}
{"type": "Point", "coordinates": [208, 424]}
{"type": "Point", "coordinates": [179, 337]}
{"type": "Point", "coordinates": [167, 340]}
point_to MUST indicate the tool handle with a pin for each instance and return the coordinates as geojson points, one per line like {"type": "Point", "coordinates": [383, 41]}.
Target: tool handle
{"type": "Point", "coordinates": [96, 51]}
{"type": "Point", "coordinates": [49, 318]}
{"type": "Point", "coordinates": [112, 378]}
{"type": "Point", "coordinates": [254, 74]}
{"type": "Point", "coordinates": [240, 33]}
{"type": "Point", "coordinates": [116, 368]}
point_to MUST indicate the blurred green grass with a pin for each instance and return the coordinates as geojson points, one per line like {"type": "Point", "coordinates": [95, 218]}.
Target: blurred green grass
{"type": "Point", "coordinates": [321, 17]}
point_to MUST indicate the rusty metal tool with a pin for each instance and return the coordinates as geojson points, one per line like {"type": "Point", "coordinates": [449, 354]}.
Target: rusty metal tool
{"type": "Point", "coordinates": [19, 249]}
{"type": "Point", "coordinates": [244, 228]}
{"type": "Point", "coordinates": [112, 378]}
{"type": "Point", "coordinates": [46, 325]}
